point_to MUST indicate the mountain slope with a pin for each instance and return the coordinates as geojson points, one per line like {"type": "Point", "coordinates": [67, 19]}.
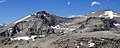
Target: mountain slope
{"type": "Point", "coordinates": [99, 29]}
{"type": "Point", "coordinates": [43, 22]}
{"type": "Point", "coordinates": [33, 24]}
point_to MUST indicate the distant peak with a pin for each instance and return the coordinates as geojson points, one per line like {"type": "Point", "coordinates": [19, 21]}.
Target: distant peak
{"type": "Point", "coordinates": [42, 12]}
{"type": "Point", "coordinates": [2, 25]}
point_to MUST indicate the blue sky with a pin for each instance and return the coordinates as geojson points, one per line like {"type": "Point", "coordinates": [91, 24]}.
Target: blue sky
{"type": "Point", "coordinates": [11, 10]}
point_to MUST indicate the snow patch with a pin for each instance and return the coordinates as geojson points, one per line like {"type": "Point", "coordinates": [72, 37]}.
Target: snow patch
{"type": "Point", "coordinates": [116, 24]}
{"type": "Point", "coordinates": [21, 38]}
{"type": "Point", "coordinates": [101, 16]}
{"type": "Point", "coordinates": [10, 30]}
{"type": "Point", "coordinates": [102, 39]}
{"type": "Point", "coordinates": [56, 27]}
{"type": "Point", "coordinates": [26, 37]}
{"type": "Point", "coordinates": [109, 14]}
{"type": "Point", "coordinates": [45, 15]}
{"type": "Point", "coordinates": [81, 43]}
{"type": "Point", "coordinates": [91, 44]}
{"type": "Point", "coordinates": [22, 19]}
{"type": "Point", "coordinates": [78, 46]}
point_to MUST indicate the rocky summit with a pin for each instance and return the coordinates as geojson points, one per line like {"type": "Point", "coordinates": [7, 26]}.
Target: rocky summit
{"type": "Point", "coordinates": [98, 29]}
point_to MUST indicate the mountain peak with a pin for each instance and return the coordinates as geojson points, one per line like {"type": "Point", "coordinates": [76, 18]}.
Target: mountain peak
{"type": "Point", "coordinates": [42, 12]}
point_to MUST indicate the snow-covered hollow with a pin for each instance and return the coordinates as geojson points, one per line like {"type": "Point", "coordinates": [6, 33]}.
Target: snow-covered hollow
{"type": "Point", "coordinates": [26, 37]}
{"type": "Point", "coordinates": [22, 19]}
{"type": "Point", "coordinates": [110, 14]}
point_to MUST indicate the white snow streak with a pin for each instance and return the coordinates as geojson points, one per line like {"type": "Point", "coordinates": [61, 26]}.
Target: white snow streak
{"type": "Point", "coordinates": [27, 37]}
{"type": "Point", "coordinates": [22, 19]}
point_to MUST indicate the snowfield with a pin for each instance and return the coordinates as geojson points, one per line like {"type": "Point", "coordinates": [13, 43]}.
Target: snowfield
{"type": "Point", "coordinates": [109, 14]}
{"type": "Point", "coordinates": [26, 37]}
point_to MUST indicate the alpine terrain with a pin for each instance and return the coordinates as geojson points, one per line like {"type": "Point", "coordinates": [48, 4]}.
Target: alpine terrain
{"type": "Point", "coordinates": [100, 29]}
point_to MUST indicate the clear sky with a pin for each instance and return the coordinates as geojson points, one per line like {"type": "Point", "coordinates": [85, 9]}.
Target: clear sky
{"type": "Point", "coordinates": [11, 10]}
